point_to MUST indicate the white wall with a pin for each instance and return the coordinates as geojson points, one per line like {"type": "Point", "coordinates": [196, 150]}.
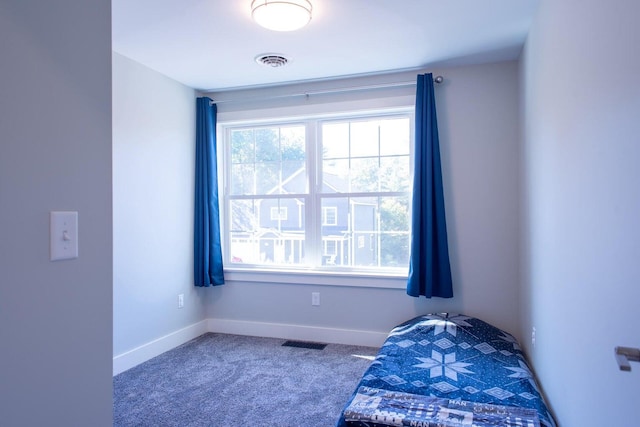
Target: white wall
{"type": "Point", "coordinates": [55, 154]}
{"type": "Point", "coordinates": [581, 192]}
{"type": "Point", "coordinates": [153, 174]}
{"type": "Point", "coordinates": [478, 122]}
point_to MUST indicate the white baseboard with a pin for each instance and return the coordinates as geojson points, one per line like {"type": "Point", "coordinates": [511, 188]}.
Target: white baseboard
{"type": "Point", "coordinates": [147, 351]}
{"type": "Point", "coordinates": [297, 332]}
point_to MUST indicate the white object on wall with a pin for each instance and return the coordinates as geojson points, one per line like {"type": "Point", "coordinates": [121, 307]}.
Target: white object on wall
{"type": "Point", "coordinates": [63, 235]}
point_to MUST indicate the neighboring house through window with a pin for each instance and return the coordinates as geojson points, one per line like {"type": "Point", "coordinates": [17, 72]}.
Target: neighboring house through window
{"type": "Point", "coordinates": [309, 193]}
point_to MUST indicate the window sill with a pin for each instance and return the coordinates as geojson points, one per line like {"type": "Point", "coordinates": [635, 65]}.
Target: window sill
{"type": "Point", "coordinates": [317, 277]}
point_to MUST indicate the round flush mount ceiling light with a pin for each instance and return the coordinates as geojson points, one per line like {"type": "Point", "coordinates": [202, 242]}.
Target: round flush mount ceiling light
{"type": "Point", "coordinates": [279, 15]}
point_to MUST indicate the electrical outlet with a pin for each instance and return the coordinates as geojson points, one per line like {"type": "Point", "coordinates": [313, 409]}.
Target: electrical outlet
{"type": "Point", "coordinates": [180, 300]}
{"type": "Point", "coordinates": [533, 336]}
{"type": "Point", "coordinates": [315, 298]}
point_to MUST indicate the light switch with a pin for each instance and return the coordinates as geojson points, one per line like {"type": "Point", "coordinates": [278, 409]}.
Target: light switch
{"type": "Point", "coordinates": [64, 235]}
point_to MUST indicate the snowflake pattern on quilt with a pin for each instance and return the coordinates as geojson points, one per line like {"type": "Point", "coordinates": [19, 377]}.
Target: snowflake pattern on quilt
{"type": "Point", "coordinates": [455, 357]}
{"type": "Point", "coordinates": [443, 364]}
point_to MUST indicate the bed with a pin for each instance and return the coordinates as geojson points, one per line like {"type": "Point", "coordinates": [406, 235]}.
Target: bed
{"type": "Point", "coordinates": [445, 370]}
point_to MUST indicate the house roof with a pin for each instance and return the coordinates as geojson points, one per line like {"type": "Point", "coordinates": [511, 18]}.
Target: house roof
{"type": "Point", "coordinates": [332, 183]}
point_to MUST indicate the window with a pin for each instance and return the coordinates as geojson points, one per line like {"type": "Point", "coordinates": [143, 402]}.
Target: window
{"type": "Point", "coordinates": [329, 215]}
{"type": "Point", "coordinates": [278, 213]}
{"type": "Point", "coordinates": [329, 247]}
{"type": "Point", "coordinates": [321, 193]}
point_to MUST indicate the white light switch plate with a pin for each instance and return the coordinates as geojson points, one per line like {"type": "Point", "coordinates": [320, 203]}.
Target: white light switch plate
{"type": "Point", "coordinates": [63, 235]}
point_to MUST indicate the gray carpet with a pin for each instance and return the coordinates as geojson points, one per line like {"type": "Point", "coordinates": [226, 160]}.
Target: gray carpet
{"type": "Point", "coordinates": [228, 380]}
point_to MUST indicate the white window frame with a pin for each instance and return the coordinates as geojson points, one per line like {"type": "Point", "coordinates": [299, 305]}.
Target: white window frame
{"type": "Point", "coordinates": [325, 247]}
{"type": "Point", "coordinates": [325, 210]}
{"type": "Point", "coordinates": [354, 277]}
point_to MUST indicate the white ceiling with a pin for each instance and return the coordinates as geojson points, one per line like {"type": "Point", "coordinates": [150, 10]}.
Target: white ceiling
{"type": "Point", "coordinates": [211, 44]}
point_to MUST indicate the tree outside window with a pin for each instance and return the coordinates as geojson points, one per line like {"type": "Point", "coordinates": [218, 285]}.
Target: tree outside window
{"type": "Point", "coordinates": [354, 172]}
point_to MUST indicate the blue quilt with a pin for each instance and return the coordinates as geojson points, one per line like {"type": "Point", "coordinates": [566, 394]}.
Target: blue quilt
{"type": "Point", "coordinates": [447, 367]}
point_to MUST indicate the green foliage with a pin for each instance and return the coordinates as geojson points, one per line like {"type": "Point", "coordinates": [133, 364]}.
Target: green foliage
{"type": "Point", "coordinates": [394, 217]}
{"type": "Point", "coordinates": [261, 158]}
{"type": "Point", "coordinates": [265, 159]}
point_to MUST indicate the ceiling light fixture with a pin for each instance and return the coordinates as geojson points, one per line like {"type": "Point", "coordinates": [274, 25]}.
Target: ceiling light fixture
{"type": "Point", "coordinates": [279, 15]}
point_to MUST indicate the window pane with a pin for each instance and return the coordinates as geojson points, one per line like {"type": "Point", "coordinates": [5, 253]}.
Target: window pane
{"type": "Point", "coordinates": [242, 216]}
{"type": "Point", "coordinates": [364, 139]}
{"type": "Point", "coordinates": [292, 142]}
{"type": "Point", "coordinates": [268, 160]}
{"type": "Point", "coordinates": [267, 145]}
{"type": "Point", "coordinates": [369, 231]}
{"type": "Point", "coordinates": [364, 175]}
{"type": "Point", "coordinates": [335, 233]}
{"type": "Point", "coordinates": [394, 250]}
{"type": "Point", "coordinates": [335, 140]}
{"type": "Point", "coordinates": [367, 170]}
{"type": "Point", "coordinates": [294, 177]}
{"type": "Point", "coordinates": [242, 146]}
{"type": "Point", "coordinates": [394, 173]}
{"type": "Point", "coordinates": [344, 176]}
{"type": "Point", "coordinates": [394, 214]}
{"type": "Point", "coordinates": [364, 226]}
{"type": "Point", "coordinates": [267, 231]}
{"type": "Point", "coordinates": [335, 176]}
{"type": "Point", "coordinates": [242, 179]}
{"type": "Point", "coordinates": [395, 136]}
{"type": "Point", "coordinates": [267, 178]}
{"type": "Point", "coordinates": [394, 231]}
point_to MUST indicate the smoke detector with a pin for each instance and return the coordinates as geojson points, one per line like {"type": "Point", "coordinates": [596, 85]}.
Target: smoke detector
{"type": "Point", "coordinates": [273, 60]}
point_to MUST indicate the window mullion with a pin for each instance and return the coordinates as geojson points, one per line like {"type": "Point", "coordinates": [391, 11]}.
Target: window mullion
{"type": "Point", "coordinates": [313, 244]}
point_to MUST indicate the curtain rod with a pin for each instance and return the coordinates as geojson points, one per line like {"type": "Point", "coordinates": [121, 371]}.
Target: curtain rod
{"type": "Point", "coordinates": [437, 79]}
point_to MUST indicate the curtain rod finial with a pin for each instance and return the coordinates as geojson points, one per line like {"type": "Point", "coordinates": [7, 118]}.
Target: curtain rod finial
{"type": "Point", "coordinates": [438, 79]}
